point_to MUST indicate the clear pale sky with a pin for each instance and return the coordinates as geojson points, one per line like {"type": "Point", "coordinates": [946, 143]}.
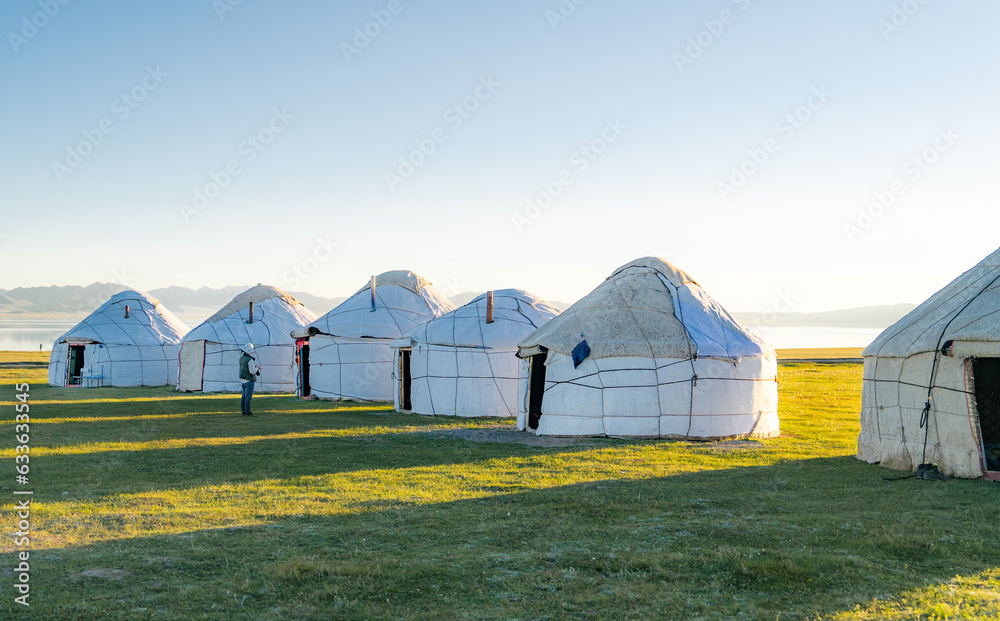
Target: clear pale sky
{"type": "Point", "coordinates": [623, 121]}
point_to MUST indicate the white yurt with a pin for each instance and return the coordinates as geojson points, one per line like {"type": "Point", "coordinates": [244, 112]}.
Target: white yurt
{"type": "Point", "coordinates": [130, 340]}
{"type": "Point", "coordinates": [345, 354]}
{"type": "Point", "coordinates": [262, 315]}
{"type": "Point", "coordinates": [931, 387]}
{"type": "Point", "coordinates": [464, 363]}
{"type": "Point", "coordinates": [648, 353]}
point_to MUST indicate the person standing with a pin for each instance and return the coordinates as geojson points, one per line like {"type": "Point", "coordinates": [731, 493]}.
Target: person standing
{"type": "Point", "coordinates": [249, 372]}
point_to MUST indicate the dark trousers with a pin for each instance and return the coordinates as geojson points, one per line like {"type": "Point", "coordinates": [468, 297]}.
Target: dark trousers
{"type": "Point", "coordinates": [247, 395]}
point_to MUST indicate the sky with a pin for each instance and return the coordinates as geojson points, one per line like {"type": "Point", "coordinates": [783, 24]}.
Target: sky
{"type": "Point", "coordinates": [790, 156]}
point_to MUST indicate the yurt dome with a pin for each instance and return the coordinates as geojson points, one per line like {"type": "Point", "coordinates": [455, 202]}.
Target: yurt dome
{"type": "Point", "coordinates": [130, 340]}
{"type": "Point", "coordinates": [931, 387]}
{"type": "Point", "coordinates": [262, 315]}
{"type": "Point", "coordinates": [464, 363]}
{"type": "Point", "coordinates": [648, 353]}
{"type": "Point", "coordinates": [345, 354]}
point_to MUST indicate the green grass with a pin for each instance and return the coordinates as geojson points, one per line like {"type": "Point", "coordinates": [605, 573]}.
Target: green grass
{"type": "Point", "coordinates": [24, 356]}
{"type": "Point", "coordinates": [155, 504]}
{"type": "Point", "coordinates": [819, 353]}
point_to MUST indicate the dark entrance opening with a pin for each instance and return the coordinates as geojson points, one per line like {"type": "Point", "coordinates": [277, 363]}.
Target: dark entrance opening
{"type": "Point", "coordinates": [74, 366]}
{"type": "Point", "coordinates": [404, 380]}
{"type": "Point", "coordinates": [306, 389]}
{"type": "Point", "coordinates": [536, 388]}
{"type": "Point", "coordinates": [986, 372]}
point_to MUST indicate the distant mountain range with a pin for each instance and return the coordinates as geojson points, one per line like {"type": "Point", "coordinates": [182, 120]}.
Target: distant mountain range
{"type": "Point", "coordinates": [203, 302]}
{"type": "Point", "coordinates": [881, 316]}
{"type": "Point", "coordinates": [194, 305]}
{"type": "Point", "coordinates": [190, 305]}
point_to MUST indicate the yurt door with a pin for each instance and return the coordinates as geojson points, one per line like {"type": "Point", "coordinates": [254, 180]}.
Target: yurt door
{"type": "Point", "coordinates": [303, 348]}
{"type": "Point", "coordinates": [405, 380]}
{"type": "Point", "coordinates": [986, 372]}
{"type": "Point", "coordinates": [74, 365]}
{"type": "Point", "coordinates": [536, 388]}
{"type": "Point", "coordinates": [192, 365]}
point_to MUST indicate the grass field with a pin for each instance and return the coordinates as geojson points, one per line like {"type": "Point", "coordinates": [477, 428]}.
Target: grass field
{"type": "Point", "coordinates": [154, 504]}
{"type": "Point", "coordinates": [24, 357]}
{"type": "Point", "coordinates": [816, 353]}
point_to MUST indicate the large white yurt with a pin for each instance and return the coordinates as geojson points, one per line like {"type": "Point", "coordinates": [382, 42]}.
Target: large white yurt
{"type": "Point", "coordinates": [130, 340]}
{"type": "Point", "coordinates": [465, 363]}
{"type": "Point", "coordinates": [648, 353]}
{"type": "Point", "coordinates": [262, 315]}
{"type": "Point", "coordinates": [931, 387]}
{"type": "Point", "coordinates": [345, 354]}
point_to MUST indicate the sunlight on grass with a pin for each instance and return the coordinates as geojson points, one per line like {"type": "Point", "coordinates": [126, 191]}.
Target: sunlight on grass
{"type": "Point", "coordinates": [199, 397]}
{"type": "Point", "coordinates": [104, 419]}
{"type": "Point", "coordinates": [149, 503]}
{"type": "Point", "coordinates": [964, 597]}
{"type": "Point", "coordinates": [176, 511]}
{"type": "Point", "coordinates": [153, 445]}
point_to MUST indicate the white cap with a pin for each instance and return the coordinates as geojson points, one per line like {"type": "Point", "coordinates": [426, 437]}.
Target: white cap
{"type": "Point", "coordinates": [248, 348]}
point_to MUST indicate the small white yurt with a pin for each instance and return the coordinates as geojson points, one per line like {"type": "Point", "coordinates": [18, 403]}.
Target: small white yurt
{"type": "Point", "coordinates": [465, 363]}
{"type": "Point", "coordinates": [345, 354]}
{"type": "Point", "coordinates": [931, 387]}
{"type": "Point", "coordinates": [131, 340]}
{"type": "Point", "coordinates": [261, 315]}
{"type": "Point", "coordinates": [648, 353]}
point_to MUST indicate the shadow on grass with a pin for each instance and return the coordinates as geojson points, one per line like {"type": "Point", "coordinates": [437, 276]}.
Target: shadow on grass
{"type": "Point", "coordinates": [89, 476]}
{"type": "Point", "coordinates": [95, 453]}
{"type": "Point", "coordinates": [798, 539]}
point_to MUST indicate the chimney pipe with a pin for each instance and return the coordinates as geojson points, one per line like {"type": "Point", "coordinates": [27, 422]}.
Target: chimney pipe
{"type": "Point", "coordinates": [126, 311]}
{"type": "Point", "coordinates": [373, 293]}
{"type": "Point", "coordinates": [251, 312]}
{"type": "Point", "coordinates": [489, 307]}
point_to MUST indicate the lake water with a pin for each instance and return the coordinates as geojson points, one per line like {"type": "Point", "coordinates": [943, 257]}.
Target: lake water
{"type": "Point", "coordinates": [789, 338]}
{"type": "Point", "coordinates": [27, 334]}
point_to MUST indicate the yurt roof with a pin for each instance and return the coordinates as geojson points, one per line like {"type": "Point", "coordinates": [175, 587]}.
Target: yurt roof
{"type": "Point", "coordinates": [276, 314]}
{"type": "Point", "coordinates": [400, 278]}
{"type": "Point", "coordinates": [149, 323]}
{"type": "Point", "coordinates": [516, 314]}
{"type": "Point", "coordinates": [403, 300]}
{"type": "Point", "coordinates": [648, 308]}
{"type": "Point", "coordinates": [256, 294]}
{"type": "Point", "coordinates": [967, 309]}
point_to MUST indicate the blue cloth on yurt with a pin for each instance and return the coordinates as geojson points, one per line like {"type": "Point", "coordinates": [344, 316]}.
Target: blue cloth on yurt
{"type": "Point", "coordinates": [580, 353]}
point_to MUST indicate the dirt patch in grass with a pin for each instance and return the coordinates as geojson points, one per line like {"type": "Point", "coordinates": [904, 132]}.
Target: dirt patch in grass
{"type": "Point", "coordinates": [100, 574]}
{"type": "Point", "coordinates": [506, 435]}
{"type": "Point", "coordinates": [728, 446]}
